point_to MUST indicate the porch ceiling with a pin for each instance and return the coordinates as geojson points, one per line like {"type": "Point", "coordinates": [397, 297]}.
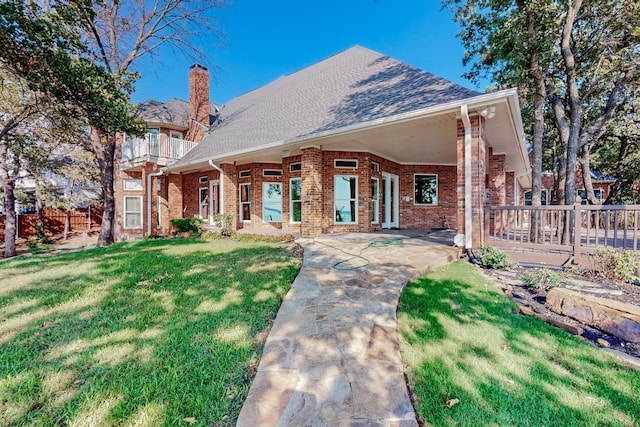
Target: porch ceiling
{"type": "Point", "coordinates": [429, 138]}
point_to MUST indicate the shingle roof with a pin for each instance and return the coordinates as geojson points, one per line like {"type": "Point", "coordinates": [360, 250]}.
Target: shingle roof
{"type": "Point", "coordinates": [354, 86]}
{"type": "Point", "coordinates": [175, 111]}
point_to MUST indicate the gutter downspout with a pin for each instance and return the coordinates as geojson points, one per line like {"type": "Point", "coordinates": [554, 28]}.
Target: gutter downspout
{"type": "Point", "coordinates": [468, 209]}
{"type": "Point", "coordinates": [468, 217]}
{"type": "Point", "coordinates": [149, 199]}
{"type": "Point", "coordinates": [221, 195]}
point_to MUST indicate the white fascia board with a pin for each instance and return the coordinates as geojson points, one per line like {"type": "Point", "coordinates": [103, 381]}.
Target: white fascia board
{"type": "Point", "coordinates": [452, 107]}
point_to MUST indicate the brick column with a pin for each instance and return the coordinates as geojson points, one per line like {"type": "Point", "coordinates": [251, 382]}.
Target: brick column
{"type": "Point", "coordinates": [174, 197]}
{"type": "Point", "coordinates": [509, 189]}
{"type": "Point", "coordinates": [311, 224]}
{"type": "Point", "coordinates": [229, 188]}
{"type": "Point", "coordinates": [478, 176]}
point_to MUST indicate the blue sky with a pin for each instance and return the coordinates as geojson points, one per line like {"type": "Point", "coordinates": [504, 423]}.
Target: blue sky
{"type": "Point", "coordinates": [264, 40]}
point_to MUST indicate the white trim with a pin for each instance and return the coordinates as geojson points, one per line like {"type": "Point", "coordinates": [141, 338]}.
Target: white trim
{"type": "Point", "coordinates": [375, 166]}
{"type": "Point", "coordinates": [354, 220]}
{"type": "Point", "coordinates": [208, 197]}
{"type": "Point", "coordinates": [335, 163]}
{"type": "Point", "coordinates": [391, 203]}
{"type": "Point", "coordinates": [264, 185]}
{"type": "Point", "coordinates": [124, 211]}
{"type": "Point", "coordinates": [135, 184]}
{"type": "Point", "coordinates": [295, 163]}
{"type": "Point", "coordinates": [509, 96]}
{"type": "Point", "coordinates": [203, 179]}
{"type": "Point", "coordinates": [221, 193]}
{"type": "Point", "coordinates": [291, 221]}
{"type": "Point", "coordinates": [415, 202]}
{"type": "Point", "coordinates": [468, 208]}
{"type": "Point", "coordinates": [241, 203]}
{"type": "Point", "coordinates": [244, 172]}
{"type": "Point", "coordinates": [376, 201]}
{"type": "Point", "coordinates": [279, 172]}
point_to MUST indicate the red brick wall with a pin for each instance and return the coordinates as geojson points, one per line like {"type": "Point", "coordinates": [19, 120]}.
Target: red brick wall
{"type": "Point", "coordinates": [496, 179]}
{"type": "Point", "coordinates": [478, 178]}
{"type": "Point", "coordinates": [312, 192]}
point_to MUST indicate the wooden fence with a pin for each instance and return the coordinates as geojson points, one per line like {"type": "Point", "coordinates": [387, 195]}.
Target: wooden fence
{"type": "Point", "coordinates": [578, 229]}
{"type": "Point", "coordinates": [83, 219]}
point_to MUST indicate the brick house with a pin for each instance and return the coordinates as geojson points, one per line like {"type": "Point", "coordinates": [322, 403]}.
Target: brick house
{"type": "Point", "coordinates": [357, 142]}
{"type": "Point", "coordinates": [601, 185]}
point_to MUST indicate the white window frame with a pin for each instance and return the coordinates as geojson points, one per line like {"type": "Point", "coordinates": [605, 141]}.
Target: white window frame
{"type": "Point", "coordinates": [265, 204]}
{"type": "Point", "coordinates": [375, 202]}
{"type": "Point", "coordinates": [203, 179]}
{"type": "Point", "coordinates": [415, 201]}
{"type": "Point", "coordinates": [292, 201]}
{"type": "Point", "coordinates": [132, 184]}
{"type": "Point", "coordinates": [291, 167]}
{"type": "Point", "coordinates": [276, 172]}
{"type": "Point", "coordinates": [335, 163]}
{"type": "Point", "coordinates": [126, 213]}
{"type": "Point", "coordinates": [544, 201]}
{"type": "Point", "coordinates": [176, 134]}
{"type": "Point", "coordinates": [246, 173]}
{"type": "Point", "coordinates": [335, 200]}
{"type": "Point", "coordinates": [159, 209]}
{"type": "Point", "coordinates": [375, 166]}
{"type": "Point", "coordinates": [242, 204]}
{"type": "Point", "coordinates": [584, 200]}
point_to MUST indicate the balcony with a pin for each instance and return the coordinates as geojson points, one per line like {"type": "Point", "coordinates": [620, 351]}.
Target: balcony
{"type": "Point", "coordinates": [154, 148]}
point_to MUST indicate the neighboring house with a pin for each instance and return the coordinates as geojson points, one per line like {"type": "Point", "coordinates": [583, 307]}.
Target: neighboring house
{"type": "Point", "coordinates": [356, 142]}
{"type": "Point", "coordinates": [600, 182]}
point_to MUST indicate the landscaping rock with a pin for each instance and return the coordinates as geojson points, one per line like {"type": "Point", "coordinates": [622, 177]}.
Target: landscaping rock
{"type": "Point", "coordinates": [614, 317]}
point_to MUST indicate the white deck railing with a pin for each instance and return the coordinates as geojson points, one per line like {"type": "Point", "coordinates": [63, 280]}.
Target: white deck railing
{"type": "Point", "coordinates": [155, 145]}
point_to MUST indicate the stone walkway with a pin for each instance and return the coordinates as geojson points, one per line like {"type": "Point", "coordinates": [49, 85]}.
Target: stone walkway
{"type": "Point", "coordinates": [332, 356]}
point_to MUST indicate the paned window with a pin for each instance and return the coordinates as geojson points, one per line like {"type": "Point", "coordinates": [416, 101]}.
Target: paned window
{"type": "Point", "coordinates": [295, 196]}
{"type": "Point", "coordinates": [346, 199]}
{"type": "Point", "coordinates": [342, 163]}
{"type": "Point", "coordinates": [543, 197]}
{"type": "Point", "coordinates": [272, 202]}
{"type": "Point", "coordinates": [426, 189]}
{"type": "Point", "coordinates": [132, 212]}
{"type": "Point", "coordinates": [245, 202]}
{"type": "Point", "coordinates": [374, 200]}
{"type": "Point", "coordinates": [295, 167]}
{"type": "Point", "coordinates": [132, 184]}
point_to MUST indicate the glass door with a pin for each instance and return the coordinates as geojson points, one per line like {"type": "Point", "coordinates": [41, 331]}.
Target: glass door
{"type": "Point", "coordinates": [390, 200]}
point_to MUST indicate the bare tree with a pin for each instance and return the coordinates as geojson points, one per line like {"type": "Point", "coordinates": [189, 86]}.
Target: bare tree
{"type": "Point", "coordinates": [120, 34]}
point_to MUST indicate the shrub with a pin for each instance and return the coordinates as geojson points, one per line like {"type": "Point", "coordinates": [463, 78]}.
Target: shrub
{"type": "Point", "coordinates": [494, 258]}
{"type": "Point", "coordinates": [193, 226]}
{"type": "Point", "coordinates": [224, 221]}
{"type": "Point", "coordinates": [617, 264]}
{"type": "Point", "coordinates": [541, 278]}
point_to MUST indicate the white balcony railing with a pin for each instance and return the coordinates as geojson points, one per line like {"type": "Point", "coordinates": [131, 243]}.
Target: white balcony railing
{"type": "Point", "coordinates": [155, 145]}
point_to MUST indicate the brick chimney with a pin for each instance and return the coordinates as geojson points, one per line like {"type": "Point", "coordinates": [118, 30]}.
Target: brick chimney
{"type": "Point", "coordinates": [199, 105]}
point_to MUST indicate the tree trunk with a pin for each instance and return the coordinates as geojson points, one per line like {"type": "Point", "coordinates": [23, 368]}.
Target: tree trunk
{"type": "Point", "coordinates": [104, 147]}
{"type": "Point", "coordinates": [615, 190]}
{"type": "Point", "coordinates": [585, 165]}
{"type": "Point", "coordinates": [9, 203]}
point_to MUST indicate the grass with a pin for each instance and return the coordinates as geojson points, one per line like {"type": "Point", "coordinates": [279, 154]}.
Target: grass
{"type": "Point", "coordinates": [148, 333]}
{"type": "Point", "coordinates": [462, 339]}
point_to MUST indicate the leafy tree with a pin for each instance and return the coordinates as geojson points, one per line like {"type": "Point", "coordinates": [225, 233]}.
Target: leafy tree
{"type": "Point", "coordinates": [582, 57]}
{"type": "Point", "coordinates": [45, 47]}
{"type": "Point", "coordinates": [84, 52]}
{"type": "Point", "coordinates": [20, 109]}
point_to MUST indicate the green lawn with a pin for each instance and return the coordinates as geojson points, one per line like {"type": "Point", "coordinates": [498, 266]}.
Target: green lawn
{"type": "Point", "coordinates": [462, 339]}
{"type": "Point", "coordinates": [147, 333]}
